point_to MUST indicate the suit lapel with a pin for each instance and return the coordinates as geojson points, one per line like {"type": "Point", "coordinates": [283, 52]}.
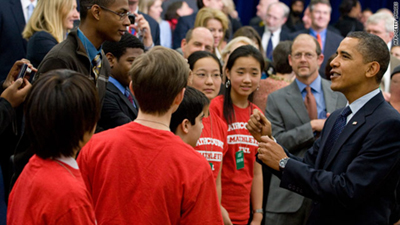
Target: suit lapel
{"type": "Point", "coordinates": [330, 96]}
{"type": "Point", "coordinates": [295, 100]}
{"type": "Point", "coordinates": [18, 13]}
{"type": "Point", "coordinates": [111, 87]}
{"type": "Point", "coordinates": [356, 122]}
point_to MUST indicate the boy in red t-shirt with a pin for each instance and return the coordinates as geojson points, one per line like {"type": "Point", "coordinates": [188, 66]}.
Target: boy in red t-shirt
{"type": "Point", "coordinates": [141, 172]}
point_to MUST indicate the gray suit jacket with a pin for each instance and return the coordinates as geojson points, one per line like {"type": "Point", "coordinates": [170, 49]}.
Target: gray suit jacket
{"type": "Point", "coordinates": [292, 129]}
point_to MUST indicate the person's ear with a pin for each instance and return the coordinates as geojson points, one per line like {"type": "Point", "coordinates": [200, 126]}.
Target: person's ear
{"type": "Point", "coordinates": [111, 59]}
{"type": "Point", "coordinates": [131, 88]}
{"type": "Point", "coordinates": [320, 59]}
{"type": "Point", "coordinates": [373, 69]}
{"type": "Point", "coordinates": [290, 60]}
{"type": "Point", "coordinates": [185, 126]}
{"type": "Point", "coordinates": [227, 73]}
{"type": "Point", "coordinates": [95, 10]}
{"type": "Point", "coordinates": [179, 97]}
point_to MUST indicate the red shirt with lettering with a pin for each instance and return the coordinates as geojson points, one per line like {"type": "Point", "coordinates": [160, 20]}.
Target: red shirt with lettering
{"type": "Point", "coordinates": [212, 143]}
{"type": "Point", "coordinates": [236, 183]}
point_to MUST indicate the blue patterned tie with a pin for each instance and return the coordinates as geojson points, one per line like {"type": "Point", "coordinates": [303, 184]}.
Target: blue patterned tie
{"type": "Point", "coordinates": [338, 127]}
{"type": "Point", "coordinates": [270, 48]}
{"type": "Point", "coordinates": [30, 10]}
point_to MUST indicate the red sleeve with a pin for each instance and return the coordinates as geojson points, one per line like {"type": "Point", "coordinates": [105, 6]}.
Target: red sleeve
{"type": "Point", "coordinates": [83, 215]}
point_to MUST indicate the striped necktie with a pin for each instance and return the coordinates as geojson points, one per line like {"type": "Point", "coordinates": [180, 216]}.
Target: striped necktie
{"type": "Point", "coordinates": [96, 66]}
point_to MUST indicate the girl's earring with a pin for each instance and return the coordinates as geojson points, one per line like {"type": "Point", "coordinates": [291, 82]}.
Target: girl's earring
{"type": "Point", "coordinates": [228, 83]}
{"type": "Point", "coordinates": [258, 87]}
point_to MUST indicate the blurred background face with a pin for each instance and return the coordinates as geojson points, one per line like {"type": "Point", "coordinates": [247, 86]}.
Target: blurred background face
{"type": "Point", "coordinates": [155, 10]}
{"type": "Point", "coordinates": [262, 8]}
{"type": "Point", "coordinates": [214, 4]}
{"type": "Point", "coordinates": [275, 18]}
{"type": "Point", "coordinates": [395, 51]}
{"type": "Point", "coordinates": [297, 8]}
{"type": "Point", "coordinates": [184, 10]}
{"type": "Point", "coordinates": [379, 30]}
{"type": "Point", "coordinates": [395, 86]}
{"type": "Point", "coordinates": [320, 16]}
{"type": "Point", "coordinates": [73, 15]}
{"type": "Point", "coordinates": [207, 77]}
{"type": "Point", "coordinates": [215, 26]}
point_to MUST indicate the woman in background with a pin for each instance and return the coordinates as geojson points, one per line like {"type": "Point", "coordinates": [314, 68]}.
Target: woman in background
{"type": "Point", "coordinates": [154, 9]}
{"type": "Point", "coordinates": [49, 24]}
{"type": "Point", "coordinates": [217, 22]}
{"type": "Point", "coordinates": [176, 10]}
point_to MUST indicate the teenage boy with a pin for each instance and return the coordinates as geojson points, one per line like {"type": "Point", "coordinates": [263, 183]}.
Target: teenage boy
{"type": "Point", "coordinates": [120, 106]}
{"type": "Point", "coordinates": [141, 172]}
{"type": "Point", "coordinates": [187, 120]}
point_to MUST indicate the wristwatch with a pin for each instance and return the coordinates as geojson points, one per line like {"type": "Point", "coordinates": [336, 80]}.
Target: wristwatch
{"type": "Point", "coordinates": [258, 211]}
{"type": "Point", "coordinates": [282, 163]}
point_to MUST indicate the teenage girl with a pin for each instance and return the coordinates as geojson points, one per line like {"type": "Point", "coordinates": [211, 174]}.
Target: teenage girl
{"type": "Point", "coordinates": [212, 144]}
{"type": "Point", "coordinates": [241, 177]}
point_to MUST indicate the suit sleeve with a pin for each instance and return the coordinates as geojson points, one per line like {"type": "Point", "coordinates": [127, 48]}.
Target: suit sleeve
{"type": "Point", "coordinates": [293, 139]}
{"type": "Point", "coordinates": [52, 64]}
{"type": "Point", "coordinates": [376, 155]}
{"type": "Point", "coordinates": [111, 114]}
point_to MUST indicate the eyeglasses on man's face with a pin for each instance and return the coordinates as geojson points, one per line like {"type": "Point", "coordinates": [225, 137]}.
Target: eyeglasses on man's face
{"type": "Point", "coordinates": [122, 15]}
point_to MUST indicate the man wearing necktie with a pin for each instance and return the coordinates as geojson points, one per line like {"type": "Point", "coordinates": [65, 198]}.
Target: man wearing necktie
{"type": "Point", "coordinates": [351, 172]}
{"type": "Point", "coordinates": [274, 31]}
{"type": "Point", "coordinates": [120, 106]}
{"type": "Point", "coordinates": [297, 114]}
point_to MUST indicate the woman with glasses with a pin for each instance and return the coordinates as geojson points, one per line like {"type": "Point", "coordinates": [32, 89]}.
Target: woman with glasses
{"type": "Point", "coordinates": [49, 24]}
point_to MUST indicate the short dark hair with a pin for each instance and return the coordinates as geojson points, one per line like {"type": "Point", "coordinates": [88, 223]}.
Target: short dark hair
{"type": "Point", "coordinates": [250, 32]}
{"type": "Point", "coordinates": [118, 49]}
{"type": "Point", "coordinates": [192, 105]}
{"type": "Point", "coordinates": [280, 57]}
{"type": "Point", "coordinates": [171, 10]}
{"type": "Point", "coordinates": [62, 106]}
{"type": "Point", "coordinates": [188, 35]}
{"type": "Point", "coordinates": [242, 51]}
{"type": "Point", "coordinates": [195, 56]}
{"type": "Point", "coordinates": [372, 48]}
{"type": "Point", "coordinates": [84, 4]}
{"type": "Point", "coordinates": [157, 78]}
{"type": "Point", "coordinates": [200, 4]}
{"type": "Point", "coordinates": [346, 6]}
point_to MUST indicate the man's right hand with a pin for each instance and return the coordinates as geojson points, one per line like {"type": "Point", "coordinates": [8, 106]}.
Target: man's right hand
{"type": "Point", "coordinates": [14, 95]}
{"type": "Point", "coordinates": [14, 71]}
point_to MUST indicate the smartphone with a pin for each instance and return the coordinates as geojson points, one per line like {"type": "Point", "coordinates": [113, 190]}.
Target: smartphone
{"type": "Point", "coordinates": [24, 69]}
{"type": "Point", "coordinates": [131, 19]}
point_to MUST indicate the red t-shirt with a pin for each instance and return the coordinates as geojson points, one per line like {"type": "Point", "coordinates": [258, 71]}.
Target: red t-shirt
{"type": "Point", "coordinates": [49, 192]}
{"type": "Point", "coordinates": [140, 175]}
{"type": "Point", "coordinates": [212, 143]}
{"type": "Point", "coordinates": [236, 183]}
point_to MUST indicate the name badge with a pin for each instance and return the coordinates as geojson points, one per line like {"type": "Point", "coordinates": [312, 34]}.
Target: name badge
{"type": "Point", "coordinates": [239, 160]}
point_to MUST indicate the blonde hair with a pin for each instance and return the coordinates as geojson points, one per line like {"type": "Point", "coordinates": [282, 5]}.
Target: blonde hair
{"type": "Point", "coordinates": [205, 14]}
{"type": "Point", "coordinates": [144, 5]}
{"type": "Point", "coordinates": [49, 16]}
{"type": "Point", "coordinates": [228, 48]}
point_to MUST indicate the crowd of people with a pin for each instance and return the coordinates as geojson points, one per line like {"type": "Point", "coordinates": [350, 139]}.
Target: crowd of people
{"type": "Point", "coordinates": [115, 113]}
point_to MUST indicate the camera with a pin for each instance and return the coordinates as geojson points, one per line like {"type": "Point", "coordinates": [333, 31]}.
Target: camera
{"type": "Point", "coordinates": [131, 19]}
{"type": "Point", "coordinates": [24, 69]}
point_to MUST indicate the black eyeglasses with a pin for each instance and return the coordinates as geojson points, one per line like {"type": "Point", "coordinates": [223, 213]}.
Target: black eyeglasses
{"type": "Point", "coordinates": [122, 15]}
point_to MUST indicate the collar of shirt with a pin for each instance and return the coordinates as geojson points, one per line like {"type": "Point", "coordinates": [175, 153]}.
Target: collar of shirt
{"type": "Point", "coordinates": [360, 102]}
{"type": "Point", "coordinates": [117, 84]}
{"type": "Point", "coordinates": [89, 47]}
{"type": "Point", "coordinates": [275, 39]}
{"type": "Point", "coordinates": [70, 161]}
{"type": "Point", "coordinates": [316, 86]}
{"type": "Point", "coordinates": [322, 34]}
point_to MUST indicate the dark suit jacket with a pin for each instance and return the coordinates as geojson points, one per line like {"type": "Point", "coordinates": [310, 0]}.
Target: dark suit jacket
{"type": "Point", "coordinates": [38, 46]}
{"type": "Point", "coordinates": [285, 33]}
{"type": "Point", "coordinates": [291, 127]}
{"type": "Point", "coordinates": [117, 109]}
{"type": "Point", "coordinates": [357, 183]}
{"type": "Point", "coordinates": [332, 42]}
{"type": "Point", "coordinates": [12, 45]}
{"type": "Point", "coordinates": [154, 27]}
{"type": "Point", "coordinates": [184, 24]}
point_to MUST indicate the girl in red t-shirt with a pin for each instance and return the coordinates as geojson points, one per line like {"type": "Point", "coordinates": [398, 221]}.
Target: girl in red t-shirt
{"type": "Point", "coordinates": [241, 177]}
{"type": "Point", "coordinates": [212, 144]}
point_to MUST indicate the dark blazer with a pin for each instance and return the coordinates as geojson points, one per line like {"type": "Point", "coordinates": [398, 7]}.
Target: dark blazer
{"type": "Point", "coordinates": [291, 127]}
{"type": "Point", "coordinates": [184, 24]}
{"type": "Point", "coordinates": [332, 42]}
{"type": "Point", "coordinates": [357, 183]}
{"type": "Point", "coordinates": [154, 27]}
{"type": "Point", "coordinates": [38, 46]}
{"type": "Point", "coordinates": [12, 45]}
{"type": "Point", "coordinates": [117, 109]}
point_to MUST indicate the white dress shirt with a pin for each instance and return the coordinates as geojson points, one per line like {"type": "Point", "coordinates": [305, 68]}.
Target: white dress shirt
{"type": "Point", "coordinates": [267, 35]}
{"type": "Point", "coordinates": [25, 4]}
